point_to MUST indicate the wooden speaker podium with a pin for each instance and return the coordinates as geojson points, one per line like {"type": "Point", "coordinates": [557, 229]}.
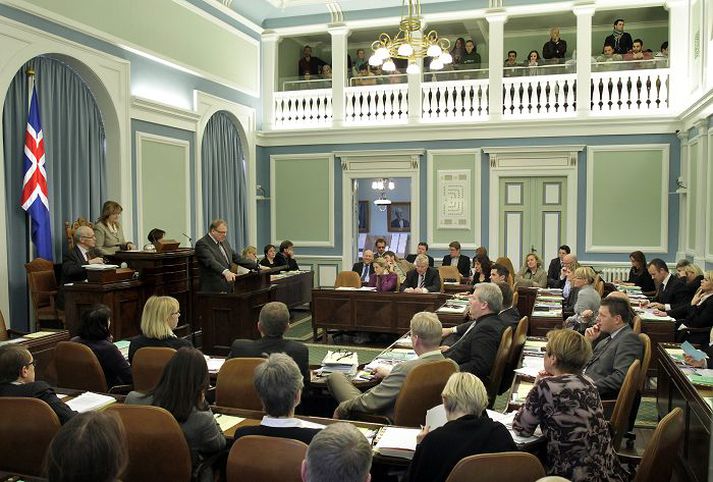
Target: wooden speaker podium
{"type": "Point", "coordinates": [227, 316]}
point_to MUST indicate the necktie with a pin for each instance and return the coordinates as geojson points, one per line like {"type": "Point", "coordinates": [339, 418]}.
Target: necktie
{"type": "Point", "coordinates": [421, 281]}
{"type": "Point", "coordinates": [222, 250]}
{"type": "Point", "coordinates": [365, 273]}
{"type": "Point", "coordinates": [472, 325]}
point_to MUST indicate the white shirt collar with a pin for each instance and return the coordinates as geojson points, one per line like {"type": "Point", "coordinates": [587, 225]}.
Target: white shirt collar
{"type": "Point", "coordinates": [83, 250]}
{"type": "Point", "coordinates": [280, 422]}
{"type": "Point", "coordinates": [214, 240]}
{"type": "Point", "coordinates": [665, 281]}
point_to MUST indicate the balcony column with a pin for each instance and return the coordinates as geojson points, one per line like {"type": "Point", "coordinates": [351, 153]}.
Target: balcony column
{"type": "Point", "coordinates": [339, 33]}
{"type": "Point", "coordinates": [415, 104]}
{"type": "Point", "coordinates": [700, 178]}
{"type": "Point", "coordinates": [269, 40]}
{"type": "Point", "coordinates": [683, 205]}
{"type": "Point", "coordinates": [678, 53]}
{"type": "Point", "coordinates": [584, 15]}
{"type": "Point", "coordinates": [496, 53]}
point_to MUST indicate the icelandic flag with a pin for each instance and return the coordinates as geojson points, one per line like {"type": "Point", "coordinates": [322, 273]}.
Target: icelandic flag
{"type": "Point", "coordinates": [34, 184]}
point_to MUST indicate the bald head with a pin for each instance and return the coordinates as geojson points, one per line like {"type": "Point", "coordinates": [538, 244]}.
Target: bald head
{"type": "Point", "coordinates": [84, 235]}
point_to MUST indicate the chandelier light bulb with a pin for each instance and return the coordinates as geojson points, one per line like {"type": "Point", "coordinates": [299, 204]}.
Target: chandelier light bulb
{"type": "Point", "coordinates": [391, 185]}
{"type": "Point", "coordinates": [375, 60]}
{"type": "Point", "coordinates": [434, 51]}
{"type": "Point", "coordinates": [445, 58]}
{"type": "Point", "coordinates": [413, 68]}
{"type": "Point", "coordinates": [382, 53]}
{"type": "Point", "coordinates": [436, 64]}
{"type": "Point", "coordinates": [389, 66]}
{"type": "Point", "coordinates": [405, 50]}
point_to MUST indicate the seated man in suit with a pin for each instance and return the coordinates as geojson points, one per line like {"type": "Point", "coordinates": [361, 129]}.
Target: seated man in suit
{"type": "Point", "coordinates": [364, 267]}
{"type": "Point", "coordinates": [215, 256]}
{"type": "Point", "coordinates": [556, 265]}
{"type": "Point", "coordinates": [286, 256]}
{"type": "Point", "coordinates": [279, 385]}
{"type": "Point", "coordinates": [272, 324]}
{"type": "Point", "coordinates": [475, 351]}
{"type": "Point", "coordinates": [457, 260]}
{"type": "Point", "coordinates": [380, 400]}
{"type": "Point", "coordinates": [340, 452]}
{"type": "Point", "coordinates": [422, 279]}
{"type": "Point", "coordinates": [83, 253]}
{"type": "Point", "coordinates": [421, 249]}
{"type": "Point", "coordinates": [671, 292]}
{"type": "Point", "coordinates": [17, 379]}
{"type": "Point", "coordinates": [615, 347]}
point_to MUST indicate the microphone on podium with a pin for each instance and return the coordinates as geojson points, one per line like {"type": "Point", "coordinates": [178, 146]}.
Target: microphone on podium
{"type": "Point", "coordinates": [190, 240]}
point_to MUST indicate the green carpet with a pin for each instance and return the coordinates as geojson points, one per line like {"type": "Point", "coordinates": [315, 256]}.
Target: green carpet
{"type": "Point", "coordinates": [301, 329]}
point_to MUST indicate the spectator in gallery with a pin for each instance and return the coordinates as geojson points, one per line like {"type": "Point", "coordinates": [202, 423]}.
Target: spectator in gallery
{"type": "Point", "coordinates": [555, 48]}
{"type": "Point", "coordinates": [471, 57]}
{"type": "Point", "coordinates": [619, 40]}
{"type": "Point", "coordinates": [458, 51]}
{"type": "Point", "coordinates": [609, 55]}
{"type": "Point", "coordinates": [637, 52]}
{"type": "Point", "coordinates": [326, 71]}
{"type": "Point", "coordinates": [533, 58]}
{"type": "Point", "coordinates": [309, 65]}
{"type": "Point", "coordinates": [361, 61]}
{"type": "Point", "coordinates": [664, 50]}
{"type": "Point", "coordinates": [384, 279]}
{"type": "Point", "coordinates": [511, 61]}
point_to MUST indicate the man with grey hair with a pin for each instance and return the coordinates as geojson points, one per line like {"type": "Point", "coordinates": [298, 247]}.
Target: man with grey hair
{"type": "Point", "coordinates": [422, 279]}
{"type": "Point", "coordinates": [425, 337]}
{"type": "Point", "coordinates": [272, 324]}
{"type": "Point", "coordinates": [73, 264]}
{"type": "Point", "coordinates": [475, 351]}
{"type": "Point", "coordinates": [365, 267]}
{"type": "Point", "coordinates": [279, 385]}
{"type": "Point", "coordinates": [340, 453]}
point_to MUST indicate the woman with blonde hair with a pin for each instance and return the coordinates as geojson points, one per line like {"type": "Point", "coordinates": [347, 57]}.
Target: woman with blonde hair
{"type": "Point", "coordinates": [584, 300]}
{"type": "Point", "coordinates": [110, 236]}
{"type": "Point", "coordinates": [469, 431]}
{"type": "Point", "coordinates": [159, 319]}
{"type": "Point", "coordinates": [532, 272]}
{"type": "Point", "coordinates": [566, 406]}
{"type": "Point", "coordinates": [383, 279]}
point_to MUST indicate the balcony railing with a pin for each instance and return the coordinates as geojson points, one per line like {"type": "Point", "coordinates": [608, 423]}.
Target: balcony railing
{"type": "Point", "coordinates": [550, 95]}
{"type": "Point", "coordinates": [455, 99]}
{"type": "Point", "coordinates": [376, 103]}
{"type": "Point", "coordinates": [303, 108]}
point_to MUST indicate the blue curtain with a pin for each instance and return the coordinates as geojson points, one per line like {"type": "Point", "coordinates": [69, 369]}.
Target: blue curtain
{"type": "Point", "coordinates": [76, 164]}
{"type": "Point", "coordinates": [223, 172]}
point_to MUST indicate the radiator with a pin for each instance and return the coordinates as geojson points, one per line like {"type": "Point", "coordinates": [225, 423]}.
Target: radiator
{"type": "Point", "coordinates": [611, 273]}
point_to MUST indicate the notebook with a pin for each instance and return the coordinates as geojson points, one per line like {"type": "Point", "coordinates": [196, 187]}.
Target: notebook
{"type": "Point", "coordinates": [396, 442]}
{"type": "Point", "coordinates": [89, 402]}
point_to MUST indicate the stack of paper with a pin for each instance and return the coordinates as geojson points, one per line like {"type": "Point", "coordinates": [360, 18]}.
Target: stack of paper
{"type": "Point", "coordinates": [340, 361]}
{"type": "Point", "coordinates": [507, 419]}
{"type": "Point", "coordinates": [214, 364]}
{"type": "Point", "coordinates": [123, 346]}
{"type": "Point", "coordinates": [453, 307]}
{"type": "Point", "coordinates": [90, 401]}
{"type": "Point", "coordinates": [100, 267]}
{"type": "Point", "coordinates": [396, 442]}
{"type": "Point", "coordinates": [226, 422]}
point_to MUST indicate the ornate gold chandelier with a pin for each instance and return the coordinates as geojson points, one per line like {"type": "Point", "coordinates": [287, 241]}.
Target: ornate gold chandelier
{"type": "Point", "coordinates": [409, 44]}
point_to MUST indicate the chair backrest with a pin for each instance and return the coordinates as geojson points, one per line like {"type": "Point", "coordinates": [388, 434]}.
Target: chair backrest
{"type": "Point", "coordinates": [157, 447]}
{"type": "Point", "coordinates": [27, 426]}
{"type": "Point", "coordinates": [247, 463]}
{"type": "Point", "coordinates": [147, 366]}
{"type": "Point", "coordinates": [662, 451]}
{"type": "Point", "coordinates": [449, 273]}
{"type": "Point", "coordinates": [70, 228]}
{"type": "Point", "coordinates": [421, 391]}
{"type": "Point", "coordinates": [234, 387]}
{"type": "Point", "coordinates": [77, 367]}
{"type": "Point", "coordinates": [515, 298]}
{"type": "Point", "coordinates": [41, 280]}
{"type": "Point", "coordinates": [624, 402]}
{"type": "Point", "coordinates": [518, 341]}
{"type": "Point", "coordinates": [349, 279]}
{"type": "Point", "coordinates": [510, 466]}
{"type": "Point", "coordinates": [4, 335]}
{"type": "Point", "coordinates": [501, 360]}
{"type": "Point", "coordinates": [636, 325]}
{"type": "Point", "coordinates": [645, 359]}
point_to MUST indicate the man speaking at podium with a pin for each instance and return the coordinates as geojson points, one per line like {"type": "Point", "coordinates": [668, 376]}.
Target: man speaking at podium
{"type": "Point", "coordinates": [215, 257]}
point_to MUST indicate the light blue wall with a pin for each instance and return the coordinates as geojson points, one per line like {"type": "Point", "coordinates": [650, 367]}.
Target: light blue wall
{"type": "Point", "coordinates": [263, 174]}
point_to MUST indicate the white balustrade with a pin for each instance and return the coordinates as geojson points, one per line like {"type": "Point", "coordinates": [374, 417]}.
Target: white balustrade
{"type": "Point", "coordinates": [455, 99]}
{"type": "Point", "coordinates": [540, 96]}
{"type": "Point", "coordinates": [376, 103]}
{"type": "Point", "coordinates": [637, 91]}
{"type": "Point", "coordinates": [303, 108]}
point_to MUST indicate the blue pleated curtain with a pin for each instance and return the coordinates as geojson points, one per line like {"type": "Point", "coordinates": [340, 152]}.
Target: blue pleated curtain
{"type": "Point", "coordinates": [75, 149]}
{"type": "Point", "coordinates": [223, 173]}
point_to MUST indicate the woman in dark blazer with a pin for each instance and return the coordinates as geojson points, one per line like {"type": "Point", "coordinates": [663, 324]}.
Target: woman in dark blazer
{"type": "Point", "coordinates": [469, 431]}
{"type": "Point", "coordinates": [158, 320]}
{"type": "Point", "coordinates": [638, 274]}
{"type": "Point", "coordinates": [94, 332]}
{"type": "Point", "coordinates": [700, 312]}
{"type": "Point", "coordinates": [269, 260]}
{"type": "Point", "coordinates": [481, 269]}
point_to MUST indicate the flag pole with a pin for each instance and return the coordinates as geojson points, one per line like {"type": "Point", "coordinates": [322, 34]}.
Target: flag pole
{"type": "Point", "coordinates": [30, 72]}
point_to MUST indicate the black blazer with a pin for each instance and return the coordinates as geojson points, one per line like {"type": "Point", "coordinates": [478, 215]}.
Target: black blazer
{"type": "Point", "coordinates": [266, 262]}
{"type": "Point", "coordinates": [511, 317]}
{"type": "Point", "coordinates": [625, 43]}
{"type": "Point", "coordinates": [142, 341]}
{"type": "Point", "coordinates": [73, 270]}
{"type": "Point", "coordinates": [554, 272]}
{"type": "Point", "coordinates": [700, 316]}
{"type": "Point", "coordinates": [282, 260]}
{"type": "Point", "coordinates": [212, 263]}
{"type": "Point", "coordinates": [675, 293]}
{"type": "Point", "coordinates": [444, 447]}
{"type": "Point", "coordinates": [643, 280]}
{"type": "Point", "coordinates": [273, 344]}
{"type": "Point", "coordinates": [116, 369]}
{"type": "Point", "coordinates": [358, 267]}
{"type": "Point", "coordinates": [42, 391]}
{"type": "Point", "coordinates": [475, 351]}
{"type": "Point", "coordinates": [432, 280]}
{"type": "Point", "coordinates": [463, 264]}
{"type": "Point", "coordinates": [411, 258]}
{"type": "Point", "coordinates": [295, 433]}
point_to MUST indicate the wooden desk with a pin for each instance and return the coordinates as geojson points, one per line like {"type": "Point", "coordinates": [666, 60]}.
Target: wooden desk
{"type": "Point", "coordinates": [293, 289]}
{"type": "Point", "coordinates": [165, 274]}
{"type": "Point", "coordinates": [125, 299]}
{"type": "Point", "coordinates": [675, 390]}
{"type": "Point", "coordinates": [42, 350]}
{"type": "Point", "coordinates": [369, 311]}
{"type": "Point", "coordinates": [659, 332]}
{"type": "Point", "coordinates": [526, 300]}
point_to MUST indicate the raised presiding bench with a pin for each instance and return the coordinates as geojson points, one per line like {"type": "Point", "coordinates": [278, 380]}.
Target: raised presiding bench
{"type": "Point", "coordinates": [358, 310]}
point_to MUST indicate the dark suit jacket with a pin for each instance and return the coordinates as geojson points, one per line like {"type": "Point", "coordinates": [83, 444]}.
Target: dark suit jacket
{"type": "Point", "coordinates": [358, 267]}
{"type": "Point", "coordinates": [553, 273]}
{"type": "Point", "coordinates": [625, 43]}
{"type": "Point", "coordinates": [282, 260]}
{"type": "Point", "coordinates": [611, 360]}
{"type": "Point", "coordinates": [445, 446]}
{"type": "Point", "coordinates": [212, 263]}
{"type": "Point", "coordinates": [643, 280]}
{"type": "Point", "coordinates": [295, 433]}
{"type": "Point", "coordinates": [463, 264]}
{"type": "Point", "coordinates": [142, 341]}
{"type": "Point", "coordinates": [674, 294]}
{"type": "Point", "coordinates": [116, 369]}
{"type": "Point", "coordinates": [511, 317]}
{"type": "Point", "coordinates": [700, 316]}
{"type": "Point", "coordinates": [42, 391]}
{"type": "Point", "coordinates": [73, 270]}
{"type": "Point", "coordinates": [475, 351]}
{"type": "Point", "coordinates": [273, 344]}
{"type": "Point", "coordinates": [411, 258]}
{"type": "Point", "coordinates": [431, 278]}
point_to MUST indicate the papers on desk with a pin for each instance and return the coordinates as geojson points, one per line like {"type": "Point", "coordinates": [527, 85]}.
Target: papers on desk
{"type": "Point", "coordinates": [547, 314]}
{"type": "Point", "coordinates": [507, 419]}
{"type": "Point", "coordinates": [530, 372]}
{"type": "Point", "coordinates": [675, 353]}
{"type": "Point", "coordinates": [701, 380]}
{"type": "Point", "coordinates": [100, 267]}
{"type": "Point", "coordinates": [396, 442]}
{"type": "Point", "coordinates": [214, 364]}
{"type": "Point", "coordinates": [89, 402]}
{"type": "Point", "coordinates": [647, 315]}
{"type": "Point", "coordinates": [523, 388]}
{"type": "Point", "coordinates": [123, 346]}
{"type": "Point", "coordinates": [38, 334]}
{"type": "Point", "coordinates": [226, 422]}
{"type": "Point", "coordinates": [693, 352]}
{"type": "Point", "coordinates": [349, 288]}
{"type": "Point", "coordinates": [453, 307]}
{"type": "Point", "coordinates": [436, 417]}
{"type": "Point", "coordinates": [14, 340]}
{"type": "Point", "coordinates": [340, 361]}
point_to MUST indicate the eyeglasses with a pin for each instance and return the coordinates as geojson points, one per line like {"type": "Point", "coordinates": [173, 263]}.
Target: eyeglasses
{"type": "Point", "coordinates": [33, 363]}
{"type": "Point", "coordinates": [177, 313]}
{"type": "Point", "coordinates": [221, 232]}
{"type": "Point", "coordinates": [89, 237]}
